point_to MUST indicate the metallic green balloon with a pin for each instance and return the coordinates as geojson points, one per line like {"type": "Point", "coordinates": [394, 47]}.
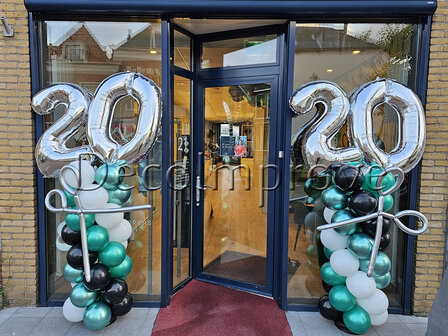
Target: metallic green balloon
{"type": "Point", "coordinates": [328, 252]}
{"type": "Point", "coordinates": [97, 238]}
{"type": "Point", "coordinates": [334, 198]}
{"type": "Point", "coordinates": [311, 250]}
{"type": "Point", "coordinates": [119, 195]}
{"type": "Point", "coordinates": [388, 203]}
{"type": "Point", "coordinates": [357, 320]}
{"type": "Point", "coordinates": [341, 298]}
{"type": "Point", "coordinates": [382, 265]}
{"type": "Point", "coordinates": [313, 187]}
{"type": "Point", "coordinates": [70, 199]}
{"type": "Point", "coordinates": [112, 254]}
{"type": "Point", "coordinates": [360, 245]}
{"type": "Point", "coordinates": [72, 274]}
{"type": "Point", "coordinates": [342, 215]}
{"type": "Point", "coordinates": [81, 296]}
{"type": "Point", "coordinates": [331, 277]}
{"type": "Point", "coordinates": [97, 316]}
{"type": "Point", "coordinates": [370, 179]}
{"type": "Point", "coordinates": [109, 175]}
{"type": "Point", "coordinates": [121, 271]}
{"type": "Point", "coordinates": [382, 281]}
{"type": "Point", "coordinates": [72, 221]}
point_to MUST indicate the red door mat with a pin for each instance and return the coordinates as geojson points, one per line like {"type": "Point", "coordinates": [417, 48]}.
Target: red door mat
{"type": "Point", "coordinates": [210, 310]}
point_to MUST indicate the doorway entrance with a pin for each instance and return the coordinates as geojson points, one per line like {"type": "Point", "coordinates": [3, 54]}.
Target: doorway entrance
{"type": "Point", "coordinates": [226, 108]}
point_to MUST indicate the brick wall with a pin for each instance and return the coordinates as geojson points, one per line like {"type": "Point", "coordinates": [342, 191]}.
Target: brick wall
{"type": "Point", "coordinates": [18, 219]}
{"type": "Point", "coordinates": [433, 179]}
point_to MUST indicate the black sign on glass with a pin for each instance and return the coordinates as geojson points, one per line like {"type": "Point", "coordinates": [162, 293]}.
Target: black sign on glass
{"type": "Point", "coordinates": [227, 146]}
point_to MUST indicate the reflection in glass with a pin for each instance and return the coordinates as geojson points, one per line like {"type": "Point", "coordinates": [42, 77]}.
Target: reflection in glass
{"type": "Point", "coordinates": [181, 202]}
{"type": "Point", "coordinates": [236, 134]}
{"type": "Point", "coordinates": [240, 51]}
{"type": "Point", "coordinates": [182, 50]}
{"type": "Point", "coordinates": [85, 53]}
{"type": "Point", "coordinates": [349, 55]}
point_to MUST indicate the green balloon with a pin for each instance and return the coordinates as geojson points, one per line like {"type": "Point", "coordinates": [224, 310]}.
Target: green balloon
{"type": "Point", "coordinates": [341, 298]}
{"type": "Point", "coordinates": [112, 254]}
{"type": "Point", "coordinates": [121, 271]}
{"type": "Point", "coordinates": [311, 250]}
{"type": "Point", "coordinates": [330, 276]}
{"type": "Point", "coordinates": [72, 274]}
{"type": "Point", "coordinates": [314, 186]}
{"type": "Point", "coordinates": [97, 238]}
{"type": "Point", "coordinates": [81, 296]}
{"type": "Point", "coordinates": [360, 245]}
{"type": "Point", "coordinates": [120, 194]}
{"type": "Point", "coordinates": [382, 265]}
{"type": "Point", "coordinates": [370, 179]}
{"type": "Point", "coordinates": [334, 198]}
{"type": "Point", "coordinates": [357, 320]}
{"type": "Point", "coordinates": [388, 203]}
{"type": "Point", "coordinates": [72, 221]}
{"type": "Point", "coordinates": [342, 215]}
{"type": "Point", "coordinates": [109, 175]}
{"type": "Point", "coordinates": [97, 316]}
{"type": "Point", "coordinates": [382, 281]}
{"type": "Point", "coordinates": [70, 199]}
{"type": "Point", "coordinates": [328, 252]}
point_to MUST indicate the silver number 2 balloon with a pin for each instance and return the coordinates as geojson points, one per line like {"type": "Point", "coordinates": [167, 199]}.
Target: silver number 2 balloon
{"type": "Point", "coordinates": [51, 150]}
{"type": "Point", "coordinates": [411, 128]}
{"type": "Point", "coordinates": [333, 109]}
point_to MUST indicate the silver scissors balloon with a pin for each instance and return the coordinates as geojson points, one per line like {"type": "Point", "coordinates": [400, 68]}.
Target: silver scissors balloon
{"type": "Point", "coordinates": [81, 212]}
{"type": "Point", "coordinates": [380, 215]}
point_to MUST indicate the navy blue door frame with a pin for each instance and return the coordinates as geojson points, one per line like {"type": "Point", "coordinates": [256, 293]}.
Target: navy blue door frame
{"type": "Point", "coordinates": [421, 16]}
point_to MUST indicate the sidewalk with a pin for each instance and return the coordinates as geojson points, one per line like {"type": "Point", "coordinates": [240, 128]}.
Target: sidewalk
{"type": "Point", "coordinates": [50, 322]}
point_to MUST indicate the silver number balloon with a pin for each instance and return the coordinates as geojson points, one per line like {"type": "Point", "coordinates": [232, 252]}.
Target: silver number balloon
{"type": "Point", "coordinates": [333, 108]}
{"type": "Point", "coordinates": [112, 89]}
{"type": "Point", "coordinates": [51, 150]}
{"type": "Point", "coordinates": [411, 114]}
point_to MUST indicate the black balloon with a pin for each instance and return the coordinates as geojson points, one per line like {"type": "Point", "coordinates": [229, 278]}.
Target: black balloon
{"type": "Point", "coordinates": [348, 178]}
{"type": "Point", "coordinates": [326, 286]}
{"type": "Point", "coordinates": [69, 236]}
{"type": "Point", "coordinates": [369, 226]}
{"type": "Point", "coordinates": [99, 277]}
{"type": "Point", "coordinates": [74, 257]}
{"type": "Point", "coordinates": [334, 167]}
{"type": "Point", "coordinates": [385, 242]}
{"type": "Point", "coordinates": [115, 291]}
{"type": "Point", "coordinates": [113, 318]}
{"type": "Point", "coordinates": [123, 307]}
{"type": "Point", "coordinates": [327, 310]}
{"type": "Point", "coordinates": [362, 203]}
{"type": "Point", "coordinates": [342, 327]}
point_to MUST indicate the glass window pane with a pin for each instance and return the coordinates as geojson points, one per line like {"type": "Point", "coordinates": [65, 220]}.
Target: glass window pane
{"type": "Point", "coordinates": [348, 55]}
{"type": "Point", "coordinates": [182, 51]}
{"type": "Point", "coordinates": [239, 51]}
{"type": "Point", "coordinates": [85, 53]}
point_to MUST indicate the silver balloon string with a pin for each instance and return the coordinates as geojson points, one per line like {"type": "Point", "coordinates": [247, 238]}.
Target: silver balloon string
{"type": "Point", "coordinates": [380, 215]}
{"type": "Point", "coordinates": [80, 211]}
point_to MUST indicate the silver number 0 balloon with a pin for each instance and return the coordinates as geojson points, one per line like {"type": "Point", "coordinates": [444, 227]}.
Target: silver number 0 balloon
{"type": "Point", "coordinates": [51, 150]}
{"type": "Point", "coordinates": [315, 143]}
{"type": "Point", "coordinates": [410, 110]}
{"type": "Point", "coordinates": [112, 89]}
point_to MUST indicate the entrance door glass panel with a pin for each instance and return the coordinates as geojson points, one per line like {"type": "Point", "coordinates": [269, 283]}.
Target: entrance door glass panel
{"type": "Point", "coordinates": [236, 139]}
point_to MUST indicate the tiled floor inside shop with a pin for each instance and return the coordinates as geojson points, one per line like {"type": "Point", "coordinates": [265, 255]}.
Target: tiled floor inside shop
{"type": "Point", "coordinates": [50, 322]}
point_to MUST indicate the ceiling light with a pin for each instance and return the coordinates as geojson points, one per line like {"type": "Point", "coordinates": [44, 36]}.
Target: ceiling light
{"type": "Point", "coordinates": [356, 52]}
{"type": "Point", "coordinates": [329, 70]}
{"type": "Point", "coordinates": [153, 52]}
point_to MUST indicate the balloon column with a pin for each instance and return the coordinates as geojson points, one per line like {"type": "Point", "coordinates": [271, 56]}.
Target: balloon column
{"type": "Point", "coordinates": [94, 232]}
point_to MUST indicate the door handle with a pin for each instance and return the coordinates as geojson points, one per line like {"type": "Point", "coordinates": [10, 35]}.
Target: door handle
{"type": "Point", "coordinates": [200, 188]}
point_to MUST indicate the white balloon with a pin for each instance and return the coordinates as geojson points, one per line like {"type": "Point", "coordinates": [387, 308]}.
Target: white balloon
{"type": "Point", "coordinates": [120, 232]}
{"type": "Point", "coordinates": [73, 284]}
{"type": "Point", "coordinates": [333, 240]}
{"type": "Point", "coordinates": [379, 319]}
{"type": "Point", "coordinates": [360, 285]}
{"type": "Point", "coordinates": [61, 245]}
{"type": "Point", "coordinates": [375, 304]}
{"type": "Point", "coordinates": [59, 229]}
{"type": "Point", "coordinates": [71, 312]}
{"type": "Point", "coordinates": [124, 243]}
{"type": "Point", "coordinates": [93, 199]}
{"type": "Point", "coordinates": [328, 214]}
{"type": "Point", "coordinates": [344, 263]}
{"type": "Point", "coordinates": [109, 221]}
{"type": "Point", "coordinates": [87, 174]}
